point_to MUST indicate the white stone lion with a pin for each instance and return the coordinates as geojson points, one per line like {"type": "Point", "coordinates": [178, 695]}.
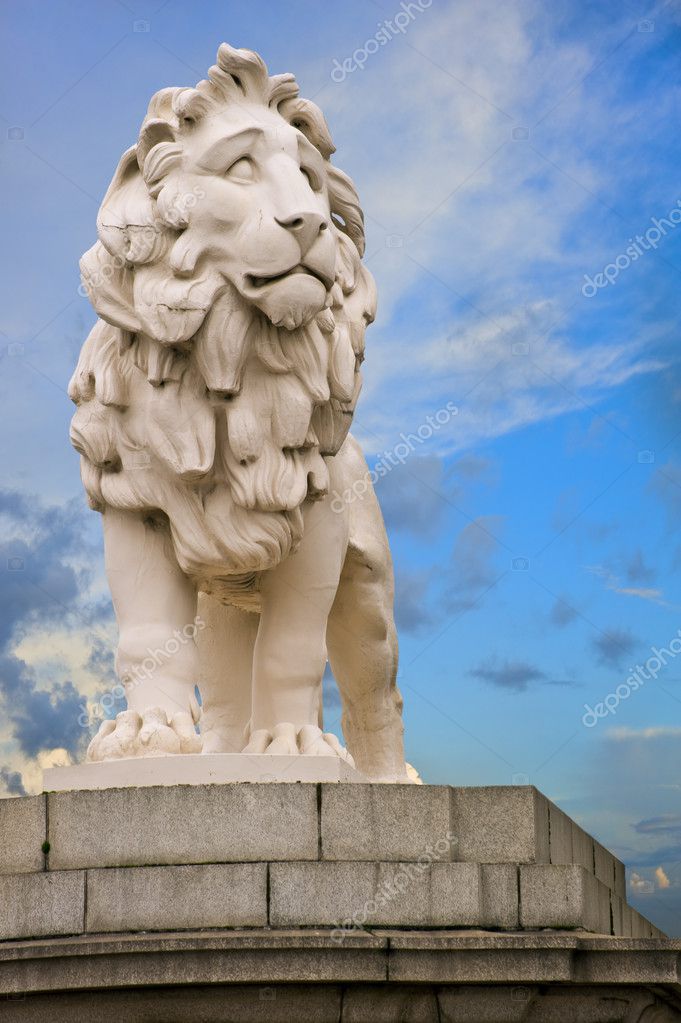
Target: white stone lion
{"type": "Point", "coordinates": [214, 397]}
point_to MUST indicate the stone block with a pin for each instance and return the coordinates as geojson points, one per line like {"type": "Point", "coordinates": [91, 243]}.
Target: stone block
{"type": "Point", "coordinates": [604, 865]}
{"type": "Point", "coordinates": [385, 1004]}
{"type": "Point", "coordinates": [177, 898]}
{"type": "Point", "coordinates": [348, 895]}
{"type": "Point", "coordinates": [620, 879]}
{"type": "Point", "coordinates": [386, 822]}
{"type": "Point", "coordinates": [639, 925]}
{"type": "Point", "coordinates": [22, 833]}
{"type": "Point", "coordinates": [617, 915]}
{"type": "Point", "coordinates": [41, 905]}
{"type": "Point", "coordinates": [563, 896]}
{"type": "Point", "coordinates": [499, 888]}
{"type": "Point", "coordinates": [582, 848]}
{"type": "Point", "coordinates": [502, 1004]}
{"type": "Point", "coordinates": [187, 824]}
{"type": "Point", "coordinates": [560, 835]}
{"type": "Point", "coordinates": [215, 1003]}
{"type": "Point", "coordinates": [501, 824]}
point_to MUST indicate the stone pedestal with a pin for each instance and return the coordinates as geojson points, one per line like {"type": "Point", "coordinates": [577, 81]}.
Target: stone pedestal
{"type": "Point", "coordinates": [319, 901]}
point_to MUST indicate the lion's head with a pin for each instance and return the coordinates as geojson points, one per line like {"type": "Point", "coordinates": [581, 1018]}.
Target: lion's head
{"type": "Point", "coordinates": [233, 305]}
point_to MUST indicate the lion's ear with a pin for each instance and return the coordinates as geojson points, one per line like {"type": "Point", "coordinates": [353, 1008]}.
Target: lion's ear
{"type": "Point", "coordinates": [345, 207]}
{"type": "Point", "coordinates": [308, 118]}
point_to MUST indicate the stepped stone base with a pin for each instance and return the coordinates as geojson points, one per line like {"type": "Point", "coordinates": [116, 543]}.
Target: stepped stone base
{"type": "Point", "coordinates": [319, 901]}
{"type": "Point", "coordinates": [378, 976]}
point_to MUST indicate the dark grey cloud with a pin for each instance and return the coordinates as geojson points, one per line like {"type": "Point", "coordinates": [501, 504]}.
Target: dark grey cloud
{"type": "Point", "coordinates": [665, 484]}
{"type": "Point", "coordinates": [667, 824]}
{"type": "Point", "coordinates": [11, 781]}
{"type": "Point", "coordinates": [414, 609]}
{"type": "Point", "coordinates": [637, 571]}
{"type": "Point", "coordinates": [40, 719]}
{"type": "Point", "coordinates": [474, 563]}
{"type": "Point", "coordinates": [562, 613]}
{"type": "Point", "coordinates": [472, 468]}
{"type": "Point", "coordinates": [614, 646]}
{"type": "Point", "coordinates": [39, 586]}
{"type": "Point", "coordinates": [414, 496]}
{"type": "Point", "coordinates": [513, 675]}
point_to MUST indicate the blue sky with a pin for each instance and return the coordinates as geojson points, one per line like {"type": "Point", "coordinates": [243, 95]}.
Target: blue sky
{"type": "Point", "coordinates": [506, 155]}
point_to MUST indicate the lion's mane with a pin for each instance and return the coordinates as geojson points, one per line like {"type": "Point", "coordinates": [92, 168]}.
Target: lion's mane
{"type": "Point", "coordinates": [190, 402]}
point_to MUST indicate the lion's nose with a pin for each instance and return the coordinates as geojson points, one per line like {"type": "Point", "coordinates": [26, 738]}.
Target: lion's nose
{"type": "Point", "coordinates": [305, 226]}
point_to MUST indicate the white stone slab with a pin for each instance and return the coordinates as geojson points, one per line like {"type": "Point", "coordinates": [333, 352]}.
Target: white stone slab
{"type": "Point", "coordinates": [198, 769]}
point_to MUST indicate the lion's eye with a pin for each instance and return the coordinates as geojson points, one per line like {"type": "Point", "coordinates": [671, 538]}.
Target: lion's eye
{"type": "Point", "coordinates": [242, 169]}
{"type": "Point", "coordinates": [313, 179]}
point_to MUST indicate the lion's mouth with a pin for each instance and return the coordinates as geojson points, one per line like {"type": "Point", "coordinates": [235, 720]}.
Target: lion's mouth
{"type": "Point", "coordinates": [261, 282]}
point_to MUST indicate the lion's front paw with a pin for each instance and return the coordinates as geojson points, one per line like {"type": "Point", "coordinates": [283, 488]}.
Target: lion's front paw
{"type": "Point", "coordinates": [149, 734]}
{"type": "Point", "coordinates": [287, 740]}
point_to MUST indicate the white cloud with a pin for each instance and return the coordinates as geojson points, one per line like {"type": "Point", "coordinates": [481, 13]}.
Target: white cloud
{"type": "Point", "coordinates": [478, 239]}
{"type": "Point", "coordinates": [613, 582]}
{"type": "Point", "coordinates": [498, 379]}
{"type": "Point", "coordinates": [661, 878]}
{"type": "Point", "coordinates": [625, 734]}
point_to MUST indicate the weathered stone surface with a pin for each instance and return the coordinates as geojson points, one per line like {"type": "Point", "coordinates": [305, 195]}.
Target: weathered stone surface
{"type": "Point", "coordinates": [560, 835]}
{"type": "Point", "coordinates": [170, 898]}
{"type": "Point", "coordinates": [604, 865]}
{"type": "Point", "coordinates": [350, 895]}
{"type": "Point", "coordinates": [582, 848]}
{"type": "Point", "coordinates": [499, 895]}
{"type": "Point", "coordinates": [206, 957]}
{"type": "Point", "coordinates": [37, 905]}
{"type": "Point", "coordinates": [186, 824]}
{"type": "Point", "coordinates": [531, 1004]}
{"type": "Point", "coordinates": [563, 896]}
{"type": "Point", "coordinates": [386, 822]}
{"type": "Point", "coordinates": [385, 1004]}
{"type": "Point", "coordinates": [248, 1003]}
{"type": "Point", "coordinates": [617, 915]}
{"type": "Point", "coordinates": [22, 833]}
{"type": "Point", "coordinates": [504, 1004]}
{"type": "Point", "coordinates": [326, 1003]}
{"type": "Point", "coordinates": [214, 824]}
{"type": "Point", "coordinates": [564, 978]}
{"type": "Point", "coordinates": [501, 824]}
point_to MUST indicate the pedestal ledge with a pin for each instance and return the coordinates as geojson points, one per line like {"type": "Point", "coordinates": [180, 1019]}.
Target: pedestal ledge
{"type": "Point", "coordinates": [198, 769]}
{"type": "Point", "coordinates": [326, 902]}
{"type": "Point", "coordinates": [382, 975]}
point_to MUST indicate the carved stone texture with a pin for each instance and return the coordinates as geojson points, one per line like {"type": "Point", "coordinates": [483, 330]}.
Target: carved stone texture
{"type": "Point", "coordinates": [214, 396]}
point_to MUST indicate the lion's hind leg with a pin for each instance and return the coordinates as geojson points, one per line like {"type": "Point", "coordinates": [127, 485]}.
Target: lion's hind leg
{"type": "Point", "coordinates": [361, 634]}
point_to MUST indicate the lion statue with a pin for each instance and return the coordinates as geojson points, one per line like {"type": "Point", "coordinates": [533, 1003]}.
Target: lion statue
{"type": "Point", "coordinates": [214, 397]}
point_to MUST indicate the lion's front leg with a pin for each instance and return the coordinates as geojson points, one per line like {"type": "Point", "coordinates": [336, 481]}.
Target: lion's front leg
{"type": "Point", "coordinates": [290, 649]}
{"type": "Point", "coordinates": [155, 606]}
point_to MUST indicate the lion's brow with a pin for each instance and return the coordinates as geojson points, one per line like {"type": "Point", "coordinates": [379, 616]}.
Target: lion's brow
{"type": "Point", "coordinates": [225, 151]}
